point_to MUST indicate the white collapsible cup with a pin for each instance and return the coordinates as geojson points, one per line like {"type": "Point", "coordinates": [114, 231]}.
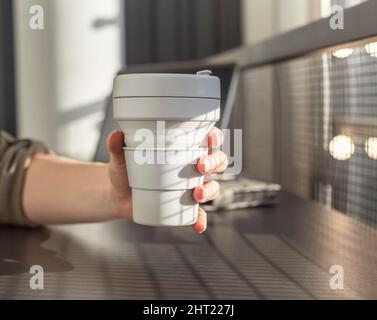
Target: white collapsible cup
{"type": "Point", "coordinates": [166, 134]}
{"type": "Point", "coordinates": [166, 110]}
{"type": "Point", "coordinates": [164, 208]}
{"type": "Point", "coordinates": [164, 169]}
{"type": "Point", "coordinates": [165, 115]}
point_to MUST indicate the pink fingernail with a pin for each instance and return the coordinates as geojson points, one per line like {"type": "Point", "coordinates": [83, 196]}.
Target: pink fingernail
{"type": "Point", "coordinates": [216, 141]}
{"type": "Point", "coordinates": [205, 194]}
{"type": "Point", "coordinates": [207, 165]}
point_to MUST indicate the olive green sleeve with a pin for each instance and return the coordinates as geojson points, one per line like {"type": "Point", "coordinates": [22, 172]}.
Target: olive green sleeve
{"type": "Point", "coordinates": [15, 157]}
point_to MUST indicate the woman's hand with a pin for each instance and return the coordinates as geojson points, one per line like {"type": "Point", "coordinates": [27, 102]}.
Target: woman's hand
{"type": "Point", "coordinates": [120, 194]}
{"type": "Point", "coordinates": [59, 190]}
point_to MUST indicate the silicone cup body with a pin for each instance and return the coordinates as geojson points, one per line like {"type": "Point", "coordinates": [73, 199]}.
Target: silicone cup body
{"type": "Point", "coordinates": [163, 169]}
{"type": "Point", "coordinates": [166, 122]}
{"type": "Point", "coordinates": [164, 208]}
{"type": "Point", "coordinates": [158, 113]}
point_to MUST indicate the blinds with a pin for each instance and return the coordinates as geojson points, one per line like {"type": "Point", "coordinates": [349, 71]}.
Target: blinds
{"type": "Point", "coordinates": [174, 30]}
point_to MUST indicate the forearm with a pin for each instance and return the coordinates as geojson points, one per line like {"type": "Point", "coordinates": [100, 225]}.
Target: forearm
{"type": "Point", "coordinates": [60, 190]}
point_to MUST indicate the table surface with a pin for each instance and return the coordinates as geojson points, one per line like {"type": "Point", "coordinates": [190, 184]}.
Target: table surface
{"type": "Point", "coordinates": [284, 251]}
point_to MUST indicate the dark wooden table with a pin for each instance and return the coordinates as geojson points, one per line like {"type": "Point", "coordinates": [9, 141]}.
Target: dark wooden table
{"type": "Point", "coordinates": [284, 251]}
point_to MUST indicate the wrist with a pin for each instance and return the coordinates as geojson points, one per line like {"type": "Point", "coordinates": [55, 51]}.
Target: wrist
{"type": "Point", "coordinates": [119, 200]}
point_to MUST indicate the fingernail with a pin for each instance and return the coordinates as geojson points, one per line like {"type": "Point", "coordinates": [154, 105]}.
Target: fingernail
{"type": "Point", "coordinates": [199, 227]}
{"type": "Point", "coordinates": [216, 141]}
{"type": "Point", "coordinates": [204, 194]}
{"type": "Point", "coordinates": [210, 140]}
{"type": "Point", "coordinates": [202, 229]}
{"type": "Point", "coordinates": [207, 165]}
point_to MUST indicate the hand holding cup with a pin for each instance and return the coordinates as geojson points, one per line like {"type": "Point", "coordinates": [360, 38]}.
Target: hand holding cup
{"type": "Point", "coordinates": [121, 192]}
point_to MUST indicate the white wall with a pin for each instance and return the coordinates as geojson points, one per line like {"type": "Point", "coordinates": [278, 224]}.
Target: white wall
{"type": "Point", "coordinates": [65, 72]}
{"type": "Point", "coordinates": [265, 18]}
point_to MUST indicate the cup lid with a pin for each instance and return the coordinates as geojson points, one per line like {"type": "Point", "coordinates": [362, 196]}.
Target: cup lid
{"type": "Point", "coordinates": [200, 85]}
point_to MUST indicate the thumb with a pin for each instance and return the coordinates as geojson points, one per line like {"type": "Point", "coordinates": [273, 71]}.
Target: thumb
{"type": "Point", "coordinates": [115, 144]}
